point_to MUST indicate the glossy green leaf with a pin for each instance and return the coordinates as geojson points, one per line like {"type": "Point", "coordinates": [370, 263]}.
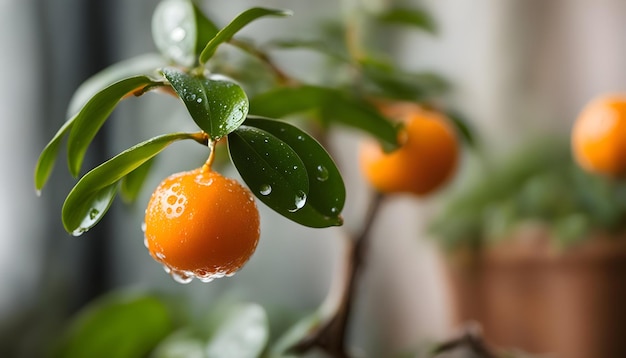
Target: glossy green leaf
{"type": "Point", "coordinates": [133, 182]}
{"type": "Point", "coordinates": [48, 155]}
{"type": "Point", "coordinates": [271, 169]}
{"type": "Point", "coordinates": [146, 64]}
{"type": "Point", "coordinates": [327, 192]}
{"type": "Point", "coordinates": [413, 17]}
{"type": "Point", "coordinates": [243, 333]}
{"type": "Point", "coordinates": [334, 105]}
{"type": "Point", "coordinates": [93, 115]}
{"type": "Point", "coordinates": [218, 106]}
{"type": "Point", "coordinates": [237, 24]}
{"type": "Point", "coordinates": [89, 210]}
{"type": "Point", "coordinates": [84, 205]}
{"type": "Point", "coordinates": [118, 325]}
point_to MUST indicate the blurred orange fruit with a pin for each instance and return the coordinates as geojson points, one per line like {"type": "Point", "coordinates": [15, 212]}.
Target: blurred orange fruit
{"type": "Point", "coordinates": [599, 136]}
{"type": "Point", "coordinates": [426, 159]}
{"type": "Point", "coordinates": [201, 224]}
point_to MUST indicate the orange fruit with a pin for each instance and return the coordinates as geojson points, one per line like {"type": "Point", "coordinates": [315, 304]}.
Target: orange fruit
{"type": "Point", "coordinates": [427, 156]}
{"type": "Point", "coordinates": [201, 224]}
{"type": "Point", "coordinates": [599, 136]}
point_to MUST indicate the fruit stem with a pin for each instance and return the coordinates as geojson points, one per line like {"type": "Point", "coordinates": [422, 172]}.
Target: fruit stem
{"type": "Point", "coordinates": [209, 162]}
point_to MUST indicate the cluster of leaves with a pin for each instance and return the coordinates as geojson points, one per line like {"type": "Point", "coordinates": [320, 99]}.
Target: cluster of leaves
{"type": "Point", "coordinates": [283, 166]}
{"type": "Point", "coordinates": [305, 184]}
{"type": "Point", "coordinates": [539, 183]}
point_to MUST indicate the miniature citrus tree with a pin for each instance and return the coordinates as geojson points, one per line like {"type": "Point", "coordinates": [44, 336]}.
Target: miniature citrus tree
{"type": "Point", "coordinates": [200, 224]}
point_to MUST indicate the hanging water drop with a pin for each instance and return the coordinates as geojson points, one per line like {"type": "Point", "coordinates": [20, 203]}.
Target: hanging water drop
{"type": "Point", "coordinates": [79, 231]}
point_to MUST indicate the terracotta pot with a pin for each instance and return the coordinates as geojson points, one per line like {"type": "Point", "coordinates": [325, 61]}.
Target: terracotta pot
{"type": "Point", "coordinates": [528, 295]}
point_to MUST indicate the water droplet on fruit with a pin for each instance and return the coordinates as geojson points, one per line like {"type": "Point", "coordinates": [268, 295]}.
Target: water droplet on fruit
{"type": "Point", "coordinates": [181, 276]}
{"type": "Point", "coordinates": [301, 138]}
{"type": "Point", "coordinates": [199, 100]}
{"type": "Point", "coordinates": [322, 173]}
{"type": "Point", "coordinates": [173, 202]}
{"type": "Point", "coordinates": [265, 189]}
{"type": "Point", "coordinates": [300, 201]}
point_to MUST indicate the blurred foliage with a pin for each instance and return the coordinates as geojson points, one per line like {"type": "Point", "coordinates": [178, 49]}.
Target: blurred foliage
{"type": "Point", "coordinates": [537, 183]}
{"type": "Point", "coordinates": [143, 324]}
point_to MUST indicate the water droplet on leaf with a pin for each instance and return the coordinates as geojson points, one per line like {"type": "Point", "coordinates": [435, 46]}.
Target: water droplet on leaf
{"type": "Point", "coordinates": [322, 173]}
{"type": "Point", "coordinates": [299, 201]}
{"type": "Point", "coordinates": [265, 189]}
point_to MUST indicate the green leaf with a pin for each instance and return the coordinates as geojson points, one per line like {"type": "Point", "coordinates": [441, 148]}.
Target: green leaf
{"type": "Point", "coordinates": [205, 28]}
{"type": "Point", "coordinates": [243, 333]}
{"type": "Point", "coordinates": [272, 170]}
{"type": "Point", "coordinates": [390, 82]}
{"type": "Point", "coordinates": [85, 204]}
{"type": "Point", "coordinates": [146, 64]}
{"type": "Point", "coordinates": [118, 325]}
{"type": "Point", "coordinates": [327, 192]}
{"type": "Point", "coordinates": [90, 209]}
{"type": "Point", "coordinates": [361, 115]}
{"type": "Point", "coordinates": [133, 182]}
{"type": "Point", "coordinates": [412, 17]}
{"type": "Point", "coordinates": [283, 101]}
{"type": "Point", "coordinates": [93, 115]}
{"type": "Point", "coordinates": [237, 24]}
{"type": "Point", "coordinates": [218, 106]}
{"type": "Point", "coordinates": [48, 155]}
{"type": "Point", "coordinates": [333, 104]}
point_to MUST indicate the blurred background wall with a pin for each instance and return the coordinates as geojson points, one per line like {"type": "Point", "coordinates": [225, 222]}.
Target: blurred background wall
{"type": "Point", "coordinates": [520, 68]}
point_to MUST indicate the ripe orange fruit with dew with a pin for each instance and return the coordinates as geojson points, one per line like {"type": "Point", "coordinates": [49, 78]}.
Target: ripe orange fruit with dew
{"type": "Point", "coordinates": [426, 159]}
{"type": "Point", "coordinates": [201, 224]}
{"type": "Point", "coordinates": [599, 136]}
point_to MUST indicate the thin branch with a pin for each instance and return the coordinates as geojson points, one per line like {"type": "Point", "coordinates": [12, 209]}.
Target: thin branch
{"type": "Point", "coordinates": [282, 77]}
{"type": "Point", "coordinates": [331, 335]}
